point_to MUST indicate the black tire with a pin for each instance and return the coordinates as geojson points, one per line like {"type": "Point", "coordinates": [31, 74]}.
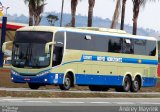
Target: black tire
{"type": "Point", "coordinates": [94, 88]}
{"type": "Point", "coordinates": [104, 88]}
{"type": "Point", "coordinates": [119, 89]}
{"type": "Point", "coordinates": [126, 85]}
{"type": "Point", "coordinates": [33, 86]}
{"type": "Point", "coordinates": [135, 85]}
{"type": "Point", "coordinates": [67, 83]}
{"type": "Point", "coordinates": [98, 88]}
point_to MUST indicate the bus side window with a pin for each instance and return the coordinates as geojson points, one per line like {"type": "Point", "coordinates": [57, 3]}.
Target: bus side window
{"type": "Point", "coordinates": [58, 48]}
{"type": "Point", "coordinates": [151, 48]}
{"type": "Point", "coordinates": [114, 45]}
{"type": "Point", "coordinates": [127, 46]}
{"type": "Point", "coordinates": [57, 55]}
{"type": "Point", "coordinates": [140, 47]}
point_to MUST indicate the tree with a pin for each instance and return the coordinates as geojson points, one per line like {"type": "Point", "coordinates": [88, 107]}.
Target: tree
{"type": "Point", "coordinates": [136, 7]}
{"type": "Point", "coordinates": [123, 13]}
{"type": "Point", "coordinates": [73, 11]}
{"type": "Point", "coordinates": [36, 8]}
{"type": "Point", "coordinates": [90, 12]}
{"type": "Point", "coordinates": [52, 19]}
{"type": "Point", "coordinates": [116, 14]}
{"type": "Point", "coordinates": [31, 4]}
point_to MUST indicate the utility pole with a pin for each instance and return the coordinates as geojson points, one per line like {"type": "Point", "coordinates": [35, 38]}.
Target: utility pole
{"type": "Point", "coordinates": [61, 20]}
{"type": "Point", "coordinates": [3, 35]}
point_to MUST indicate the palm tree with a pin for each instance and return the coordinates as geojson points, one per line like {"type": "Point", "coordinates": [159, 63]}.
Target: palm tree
{"type": "Point", "coordinates": [116, 14]}
{"type": "Point", "coordinates": [123, 13]}
{"type": "Point", "coordinates": [90, 12]}
{"type": "Point", "coordinates": [31, 4]}
{"type": "Point", "coordinates": [36, 8]}
{"type": "Point", "coordinates": [73, 11]}
{"type": "Point", "coordinates": [136, 7]}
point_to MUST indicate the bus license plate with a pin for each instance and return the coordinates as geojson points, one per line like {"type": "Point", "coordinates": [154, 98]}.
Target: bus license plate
{"type": "Point", "coordinates": [27, 79]}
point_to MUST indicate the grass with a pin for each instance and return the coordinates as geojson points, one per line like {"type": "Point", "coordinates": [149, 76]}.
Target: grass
{"type": "Point", "coordinates": [5, 81]}
{"type": "Point", "coordinates": [37, 94]}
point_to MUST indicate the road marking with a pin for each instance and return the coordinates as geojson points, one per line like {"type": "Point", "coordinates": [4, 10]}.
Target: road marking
{"type": "Point", "coordinates": [38, 101]}
{"type": "Point", "coordinates": [149, 103]}
{"type": "Point", "coordinates": [12, 99]}
{"type": "Point", "coordinates": [100, 102]}
{"type": "Point", "coordinates": [70, 102]}
{"type": "Point", "coordinates": [124, 103]}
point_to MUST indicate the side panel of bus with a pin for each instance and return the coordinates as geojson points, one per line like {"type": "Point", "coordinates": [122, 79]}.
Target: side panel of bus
{"type": "Point", "coordinates": [91, 63]}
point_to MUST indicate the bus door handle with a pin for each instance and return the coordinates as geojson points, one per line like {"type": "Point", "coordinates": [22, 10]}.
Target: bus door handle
{"type": "Point", "coordinates": [84, 71]}
{"type": "Point", "coordinates": [97, 71]}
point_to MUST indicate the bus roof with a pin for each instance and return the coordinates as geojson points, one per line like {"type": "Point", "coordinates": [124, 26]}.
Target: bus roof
{"type": "Point", "coordinates": [90, 30]}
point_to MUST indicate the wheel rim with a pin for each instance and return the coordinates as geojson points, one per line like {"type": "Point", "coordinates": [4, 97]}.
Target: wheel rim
{"type": "Point", "coordinates": [126, 85]}
{"type": "Point", "coordinates": [67, 82]}
{"type": "Point", "coordinates": [136, 85]}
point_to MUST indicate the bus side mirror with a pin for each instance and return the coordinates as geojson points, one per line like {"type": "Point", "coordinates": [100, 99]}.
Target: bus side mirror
{"type": "Point", "coordinates": [5, 45]}
{"type": "Point", "coordinates": [47, 46]}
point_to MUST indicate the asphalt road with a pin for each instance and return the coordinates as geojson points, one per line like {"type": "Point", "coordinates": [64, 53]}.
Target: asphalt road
{"type": "Point", "coordinates": [79, 104]}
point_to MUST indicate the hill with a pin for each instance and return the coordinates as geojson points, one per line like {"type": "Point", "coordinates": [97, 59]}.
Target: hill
{"type": "Point", "coordinates": [82, 21]}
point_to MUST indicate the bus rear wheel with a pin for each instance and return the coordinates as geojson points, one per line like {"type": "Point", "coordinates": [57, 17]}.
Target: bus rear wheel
{"type": "Point", "coordinates": [67, 83]}
{"type": "Point", "coordinates": [98, 88]}
{"type": "Point", "coordinates": [135, 85]}
{"type": "Point", "coordinates": [126, 85]}
{"type": "Point", "coordinates": [33, 86]}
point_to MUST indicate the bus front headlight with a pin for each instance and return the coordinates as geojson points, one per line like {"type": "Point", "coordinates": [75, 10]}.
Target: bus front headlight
{"type": "Point", "coordinates": [14, 73]}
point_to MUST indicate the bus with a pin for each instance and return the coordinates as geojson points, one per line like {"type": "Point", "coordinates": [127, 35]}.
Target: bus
{"type": "Point", "coordinates": [95, 57]}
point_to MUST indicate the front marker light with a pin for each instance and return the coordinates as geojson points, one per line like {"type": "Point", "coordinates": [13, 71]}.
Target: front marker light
{"type": "Point", "coordinates": [45, 80]}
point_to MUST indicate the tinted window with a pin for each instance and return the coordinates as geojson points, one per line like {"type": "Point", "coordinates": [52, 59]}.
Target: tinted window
{"type": "Point", "coordinates": [151, 48]}
{"type": "Point", "coordinates": [33, 37]}
{"type": "Point", "coordinates": [115, 45]}
{"type": "Point", "coordinates": [90, 42]}
{"type": "Point", "coordinates": [87, 42]}
{"type": "Point", "coordinates": [127, 46]}
{"type": "Point", "coordinates": [145, 47]}
{"type": "Point", "coordinates": [140, 47]}
{"type": "Point", "coordinates": [58, 49]}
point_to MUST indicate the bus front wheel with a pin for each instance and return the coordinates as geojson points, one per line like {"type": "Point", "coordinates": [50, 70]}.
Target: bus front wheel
{"type": "Point", "coordinates": [67, 83]}
{"type": "Point", "coordinates": [33, 86]}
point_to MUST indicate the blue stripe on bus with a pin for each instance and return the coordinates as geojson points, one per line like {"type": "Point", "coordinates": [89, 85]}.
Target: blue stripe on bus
{"type": "Point", "coordinates": [85, 79]}
{"type": "Point", "coordinates": [81, 79]}
{"type": "Point", "coordinates": [114, 59]}
{"type": "Point", "coordinates": [50, 79]}
{"type": "Point", "coordinates": [109, 80]}
{"type": "Point", "coordinates": [149, 81]}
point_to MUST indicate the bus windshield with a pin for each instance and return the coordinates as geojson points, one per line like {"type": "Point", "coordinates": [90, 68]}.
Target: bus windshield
{"type": "Point", "coordinates": [29, 49]}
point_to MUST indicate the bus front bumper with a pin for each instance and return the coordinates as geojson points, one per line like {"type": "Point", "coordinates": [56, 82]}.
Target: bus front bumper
{"type": "Point", "coordinates": [47, 79]}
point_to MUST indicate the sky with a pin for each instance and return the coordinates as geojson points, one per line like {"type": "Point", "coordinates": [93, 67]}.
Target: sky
{"type": "Point", "coordinates": [149, 16]}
